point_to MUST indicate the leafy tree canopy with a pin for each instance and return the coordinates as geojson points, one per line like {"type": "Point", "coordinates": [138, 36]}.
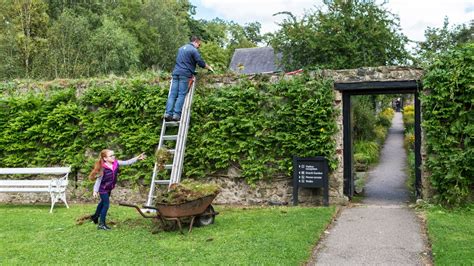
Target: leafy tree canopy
{"type": "Point", "coordinates": [47, 39]}
{"type": "Point", "coordinates": [342, 34]}
{"type": "Point", "coordinates": [222, 37]}
{"type": "Point", "coordinates": [439, 40]}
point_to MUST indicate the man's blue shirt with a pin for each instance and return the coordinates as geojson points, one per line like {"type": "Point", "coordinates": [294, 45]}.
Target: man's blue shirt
{"type": "Point", "coordinates": [186, 60]}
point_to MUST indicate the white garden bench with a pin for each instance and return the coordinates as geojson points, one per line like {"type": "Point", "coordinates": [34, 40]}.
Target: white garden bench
{"type": "Point", "coordinates": [56, 187]}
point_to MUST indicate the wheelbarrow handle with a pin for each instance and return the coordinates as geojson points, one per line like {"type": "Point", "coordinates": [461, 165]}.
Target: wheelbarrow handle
{"type": "Point", "coordinates": [138, 209]}
{"type": "Point", "coordinates": [149, 207]}
{"type": "Point", "coordinates": [127, 204]}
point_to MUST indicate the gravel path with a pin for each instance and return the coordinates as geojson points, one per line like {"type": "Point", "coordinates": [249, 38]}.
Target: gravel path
{"type": "Point", "coordinates": [382, 230]}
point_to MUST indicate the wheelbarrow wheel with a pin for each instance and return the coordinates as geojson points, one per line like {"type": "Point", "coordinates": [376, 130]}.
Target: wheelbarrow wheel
{"type": "Point", "coordinates": [206, 219]}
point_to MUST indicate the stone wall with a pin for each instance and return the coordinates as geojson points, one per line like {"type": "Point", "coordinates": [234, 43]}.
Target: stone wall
{"type": "Point", "coordinates": [276, 191]}
{"type": "Point", "coordinates": [235, 191]}
{"type": "Point", "coordinates": [366, 74]}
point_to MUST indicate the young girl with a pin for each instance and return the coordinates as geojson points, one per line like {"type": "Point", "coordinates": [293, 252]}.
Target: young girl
{"type": "Point", "coordinates": [105, 173]}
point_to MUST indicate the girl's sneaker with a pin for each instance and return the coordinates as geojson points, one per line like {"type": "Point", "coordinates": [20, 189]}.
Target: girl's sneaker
{"type": "Point", "coordinates": [103, 227]}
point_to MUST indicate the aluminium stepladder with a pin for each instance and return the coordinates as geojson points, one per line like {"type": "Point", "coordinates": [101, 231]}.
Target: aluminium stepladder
{"type": "Point", "coordinates": [178, 152]}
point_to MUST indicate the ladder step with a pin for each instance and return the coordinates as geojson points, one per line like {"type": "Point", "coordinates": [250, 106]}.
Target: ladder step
{"type": "Point", "coordinates": [170, 137]}
{"type": "Point", "coordinates": [172, 124]}
{"type": "Point", "coordinates": [168, 166]}
{"type": "Point", "coordinates": [172, 151]}
{"type": "Point", "coordinates": [162, 182]}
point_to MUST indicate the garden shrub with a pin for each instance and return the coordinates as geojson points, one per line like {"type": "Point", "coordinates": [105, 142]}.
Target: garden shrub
{"type": "Point", "coordinates": [370, 131]}
{"type": "Point", "coordinates": [409, 108]}
{"type": "Point", "coordinates": [370, 149]}
{"type": "Point", "coordinates": [448, 123]}
{"type": "Point", "coordinates": [409, 117]}
{"type": "Point", "coordinates": [361, 161]}
{"type": "Point", "coordinates": [385, 117]}
{"type": "Point", "coordinates": [364, 118]}
{"type": "Point", "coordinates": [380, 133]}
{"type": "Point", "coordinates": [409, 141]}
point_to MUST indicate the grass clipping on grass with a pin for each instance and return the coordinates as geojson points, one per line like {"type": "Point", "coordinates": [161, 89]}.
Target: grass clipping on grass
{"type": "Point", "coordinates": [186, 191]}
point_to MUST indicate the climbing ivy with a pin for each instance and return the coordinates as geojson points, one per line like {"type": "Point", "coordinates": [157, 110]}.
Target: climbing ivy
{"type": "Point", "coordinates": [39, 130]}
{"type": "Point", "coordinates": [255, 126]}
{"type": "Point", "coordinates": [258, 127]}
{"type": "Point", "coordinates": [448, 122]}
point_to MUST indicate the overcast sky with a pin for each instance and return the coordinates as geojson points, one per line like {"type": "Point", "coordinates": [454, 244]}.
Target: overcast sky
{"type": "Point", "coordinates": [415, 15]}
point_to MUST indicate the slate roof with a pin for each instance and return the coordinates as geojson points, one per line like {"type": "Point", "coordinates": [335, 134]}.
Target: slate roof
{"type": "Point", "coordinates": [255, 60]}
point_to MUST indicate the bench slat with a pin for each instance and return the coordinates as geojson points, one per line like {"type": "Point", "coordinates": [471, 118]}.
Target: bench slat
{"type": "Point", "coordinates": [31, 183]}
{"type": "Point", "coordinates": [39, 170]}
{"type": "Point", "coordinates": [24, 189]}
{"type": "Point", "coordinates": [22, 183]}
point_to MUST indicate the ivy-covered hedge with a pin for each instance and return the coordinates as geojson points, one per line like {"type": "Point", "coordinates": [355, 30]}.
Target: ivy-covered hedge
{"type": "Point", "coordinates": [448, 122]}
{"type": "Point", "coordinates": [69, 126]}
{"type": "Point", "coordinates": [257, 127]}
{"type": "Point", "coordinates": [254, 126]}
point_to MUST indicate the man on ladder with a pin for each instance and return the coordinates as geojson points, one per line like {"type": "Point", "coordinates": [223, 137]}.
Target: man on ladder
{"type": "Point", "coordinates": [179, 102]}
{"type": "Point", "coordinates": [187, 58]}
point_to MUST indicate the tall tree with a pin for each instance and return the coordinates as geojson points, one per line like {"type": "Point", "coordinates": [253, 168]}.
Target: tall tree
{"type": "Point", "coordinates": [223, 37]}
{"type": "Point", "coordinates": [114, 49]}
{"type": "Point", "coordinates": [344, 34]}
{"type": "Point", "coordinates": [78, 38]}
{"type": "Point", "coordinates": [252, 32]}
{"type": "Point", "coordinates": [67, 53]}
{"type": "Point", "coordinates": [9, 51]}
{"type": "Point", "coordinates": [27, 20]}
{"type": "Point", "coordinates": [438, 40]}
{"type": "Point", "coordinates": [167, 30]}
{"type": "Point", "coordinates": [214, 30]}
{"type": "Point", "coordinates": [215, 55]}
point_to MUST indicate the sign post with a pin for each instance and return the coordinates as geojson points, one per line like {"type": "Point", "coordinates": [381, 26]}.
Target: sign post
{"type": "Point", "coordinates": [310, 172]}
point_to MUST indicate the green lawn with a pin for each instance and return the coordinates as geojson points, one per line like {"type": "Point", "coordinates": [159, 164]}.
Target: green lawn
{"type": "Point", "coordinates": [267, 236]}
{"type": "Point", "coordinates": [452, 235]}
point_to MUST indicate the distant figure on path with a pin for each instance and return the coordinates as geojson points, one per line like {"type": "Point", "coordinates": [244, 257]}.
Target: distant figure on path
{"type": "Point", "coordinates": [398, 105]}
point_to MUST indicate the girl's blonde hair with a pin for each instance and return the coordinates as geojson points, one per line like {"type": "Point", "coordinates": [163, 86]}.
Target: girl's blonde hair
{"type": "Point", "coordinates": [97, 170]}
